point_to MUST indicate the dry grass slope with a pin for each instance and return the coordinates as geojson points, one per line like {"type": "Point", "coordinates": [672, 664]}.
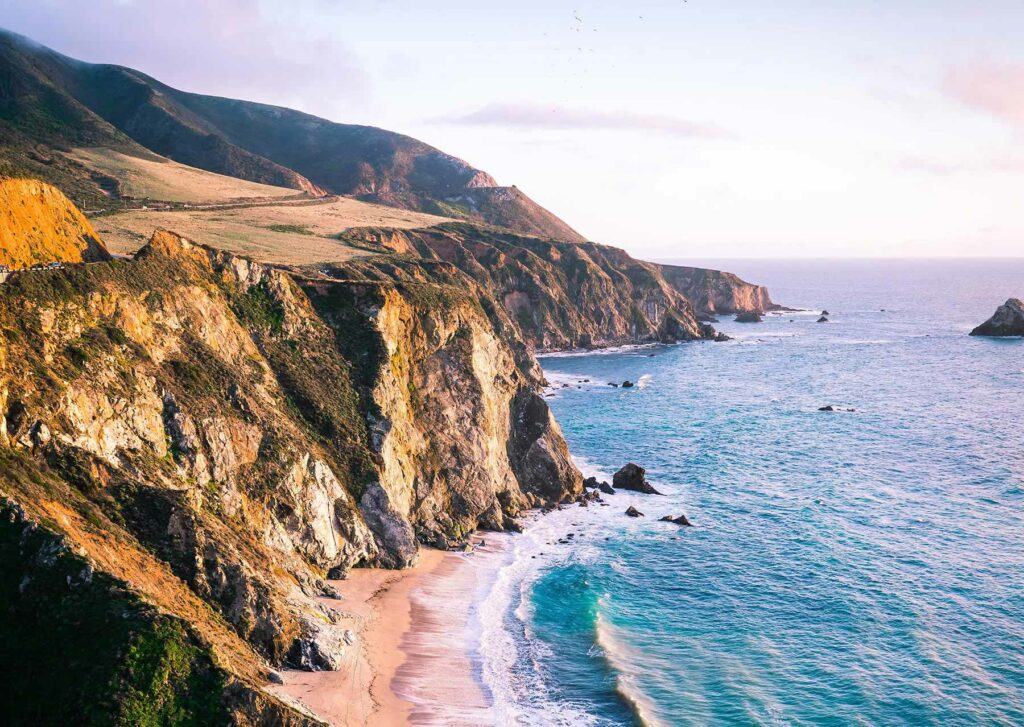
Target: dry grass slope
{"type": "Point", "coordinates": [169, 181]}
{"type": "Point", "coordinates": [38, 224]}
{"type": "Point", "coordinates": [300, 233]}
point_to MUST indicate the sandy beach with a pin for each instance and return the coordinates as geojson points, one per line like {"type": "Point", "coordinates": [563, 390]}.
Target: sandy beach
{"type": "Point", "coordinates": [413, 661]}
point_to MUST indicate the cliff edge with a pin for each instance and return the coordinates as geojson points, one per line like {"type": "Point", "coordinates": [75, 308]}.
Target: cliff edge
{"type": "Point", "coordinates": [210, 439]}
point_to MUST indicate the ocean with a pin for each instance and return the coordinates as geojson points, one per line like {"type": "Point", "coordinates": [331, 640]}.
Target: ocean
{"type": "Point", "coordinates": [861, 567]}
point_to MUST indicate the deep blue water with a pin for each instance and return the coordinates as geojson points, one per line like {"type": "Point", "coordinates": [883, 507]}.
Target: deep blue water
{"type": "Point", "coordinates": [844, 568]}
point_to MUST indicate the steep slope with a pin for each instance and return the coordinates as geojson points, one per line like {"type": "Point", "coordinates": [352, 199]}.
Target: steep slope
{"type": "Point", "coordinates": [712, 291]}
{"type": "Point", "coordinates": [561, 295]}
{"type": "Point", "coordinates": [50, 100]}
{"type": "Point", "coordinates": [215, 439]}
{"type": "Point", "coordinates": [54, 100]}
{"type": "Point", "coordinates": [39, 225]}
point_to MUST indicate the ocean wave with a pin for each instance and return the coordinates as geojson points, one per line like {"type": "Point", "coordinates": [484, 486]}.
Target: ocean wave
{"type": "Point", "coordinates": [643, 381]}
{"type": "Point", "coordinates": [628, 348]}
{"type": "Point", "coordinates": [627, 677]}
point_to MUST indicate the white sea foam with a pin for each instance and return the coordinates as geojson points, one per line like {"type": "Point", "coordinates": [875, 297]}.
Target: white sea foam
{"type": "Point", "coordinates": [511, 656]}
{"type": "Point", "coordinates": [643, 381]}
{"type": "Point", "coordinates": [629, 348]}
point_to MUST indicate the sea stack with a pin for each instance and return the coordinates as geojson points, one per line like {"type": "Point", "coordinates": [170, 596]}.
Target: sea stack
{"type": "Point", "coordinates": [1008, 320]}
{"type": "Point", "coordinates": [633, 477]}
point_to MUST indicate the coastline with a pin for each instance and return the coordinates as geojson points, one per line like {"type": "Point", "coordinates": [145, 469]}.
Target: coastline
{"type": "Point", "coordinates": [410, 627]}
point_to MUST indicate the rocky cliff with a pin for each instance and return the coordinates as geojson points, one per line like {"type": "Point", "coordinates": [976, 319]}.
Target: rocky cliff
{"type": "Point", "coordinates": [715, 292]}
{"type": "Point", "coordinates": [566, 295]}
{"type": "Point", "coordinates": [210, 438]}
{"type": "Point", "coordinates": [39, 225]}
{"type": "Point", "coordinates": [1008, 320]}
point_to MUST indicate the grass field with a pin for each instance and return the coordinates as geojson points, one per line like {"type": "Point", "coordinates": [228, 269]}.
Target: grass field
{"type": "Point", "coordinates": [289, 233]}
{"type": "Point", "coordinates": [169, 181]}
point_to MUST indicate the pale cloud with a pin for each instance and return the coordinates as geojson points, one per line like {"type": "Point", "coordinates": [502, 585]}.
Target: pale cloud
{"type": "Point", "coordinates": [553, 117]}
{"type": "Point", "coordinates": [997, 90]}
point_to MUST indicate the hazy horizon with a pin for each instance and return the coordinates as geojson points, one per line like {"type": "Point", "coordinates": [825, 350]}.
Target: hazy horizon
{"type": "Point", "coordinates": [672, 129]}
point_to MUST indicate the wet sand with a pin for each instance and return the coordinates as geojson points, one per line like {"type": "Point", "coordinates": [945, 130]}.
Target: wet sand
{"type": "Point", "coordinates": [413, 661]}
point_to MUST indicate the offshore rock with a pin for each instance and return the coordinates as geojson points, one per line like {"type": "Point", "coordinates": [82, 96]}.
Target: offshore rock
{"type": "Point", "coordinates": [749, 317]}
{"type": "Point", "coordinates": [633, 477]}
{"type": "Point", "coordinates": [1008, 320]}
{"type": "Point", "coordinates": [633, 512]}
{"type": "Point", "coordinates": [678, 520]}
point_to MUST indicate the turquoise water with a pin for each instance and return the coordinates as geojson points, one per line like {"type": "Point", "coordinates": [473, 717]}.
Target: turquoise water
{"type": "Point", "coordinates": [846, 568]}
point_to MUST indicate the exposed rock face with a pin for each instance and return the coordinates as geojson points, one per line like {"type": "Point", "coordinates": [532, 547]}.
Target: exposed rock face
{"type": "Point", "coordinates": [39, 225]}
{"type": "Point", "coordinates": [1008, 320]}
{"type": "Point", "coordinates": [633, 477]}
{"type": "Point", "coordinates": [561, 295]}
{"type": "Point", "coordinates": [249, 435]}
{"type": "Point", "coordinates": [712, 291]}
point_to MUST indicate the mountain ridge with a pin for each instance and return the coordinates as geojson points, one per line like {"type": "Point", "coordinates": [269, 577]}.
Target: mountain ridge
{"type": "Point", "coordinates": [52, 99]}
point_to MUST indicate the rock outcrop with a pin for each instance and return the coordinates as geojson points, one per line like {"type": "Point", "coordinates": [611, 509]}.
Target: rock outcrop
{"type": "Point", "coordinates": [239, 433]}
{"type": "Point", "coordinates": [633, 477]}
{"type": "Point", "coordinates": [715, 292]}
{"type": "Point", "coordinates": [39, 226]}
{"type": "Point", "coordinates": [561, 295]}
{"type": "Point", "coordinates": [1008, 320]}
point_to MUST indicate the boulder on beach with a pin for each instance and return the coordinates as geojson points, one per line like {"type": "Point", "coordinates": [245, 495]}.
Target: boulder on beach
{"type": "Point", "coordinates": [678, 520]}
{"type": "Point", "coordinates": [633, 477]}
{"type": "Point", "coordinates": [633, 512]}
{"type": "Point", "coordinates": [750, 316]}
{"type": "Point", "coordinates": [1008, 320]}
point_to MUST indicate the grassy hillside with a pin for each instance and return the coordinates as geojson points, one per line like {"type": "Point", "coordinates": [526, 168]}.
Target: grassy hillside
{"type": "Point", "coordinates": [51, 102]}
{"type": "Point", "coordinates": [296, 233]}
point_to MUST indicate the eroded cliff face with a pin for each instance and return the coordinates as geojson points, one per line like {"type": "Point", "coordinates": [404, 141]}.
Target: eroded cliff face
{"type": "Point", "coordinates": [249, 436]}
{"type": "Point", "coordinates": [560, 294]}
{"type": "Point", "coordinates": [39, 225]}
{"type": "Point", "coordinates": [716, 292]}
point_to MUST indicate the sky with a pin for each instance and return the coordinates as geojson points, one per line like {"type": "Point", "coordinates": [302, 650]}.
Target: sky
{"type": "Point", "coordinates": [672, 128]}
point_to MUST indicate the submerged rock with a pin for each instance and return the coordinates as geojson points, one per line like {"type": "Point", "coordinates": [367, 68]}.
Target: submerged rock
{"type": "Point", "coordinates": [679, 520]}
{"type": "Point", "coordinates": [1008, 320]}
{"type": "Point", "coordinates": [627, 384]}
{"type": "Point", "coordinates": [633, 477]}
{"type": "Point", "coordinates": [750, 316]}
{"type": "Point", "coordinates": [633, 512]}
{"type": "Point", "coordinates": [823, 319]}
